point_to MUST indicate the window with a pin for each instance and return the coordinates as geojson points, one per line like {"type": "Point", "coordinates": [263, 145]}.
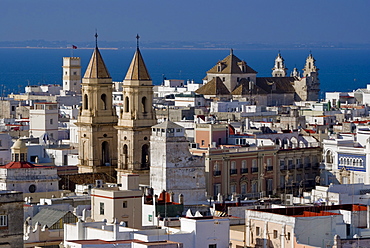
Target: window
{"type": "Point", "coordinates": [233, 188]}
{"type": "Point", "coordinates": [102, 208]}
{"type": "Point", "coordinates": [233, 169]}
{"type": "Point", "coordinates": [103, 98]}
{"type": "Point", "coordinates": [1, 143]}
{"type": "Point", "coordinates": [243, 188]}
{"type": "Point", "coordinates": [127, 105]}
{"type": "Point", "coordinates": [254, 163]}
{"type": "Point", "coordinates": [32, 188]}
{"type": "Point", "coordinates": [288, 236]}
{"type": "Point", "coordinates": [51, 121]}
{"type": "Point", "coordinates": [216, 188]}
{"type": "Point", "coordinates": [202, 142]}
{"type": "Point", "coordinates": [3, 220]}
{"type": "Point", "coordinates": [74, 73]}
{"type": "Point", "coordinates": [212, 246]}
{"type": "Point", "coordinates": [258, 231]}
{"type": "Point", "coordinates": [86, 102]}
{"type": "Point", "coordinates": [143, 104]}
{"type": "Point", "coordinates": [124, 204]}
{"type": "Point", "coordinates": [275, 234]}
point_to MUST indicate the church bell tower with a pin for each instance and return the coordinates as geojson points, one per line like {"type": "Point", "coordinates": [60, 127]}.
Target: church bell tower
{"type": "Point", "coordinates": [135, 120]}
{"type": "Point", "coordinates": [279, 69]}
{"type": "Point", "coordinates": [97, 118]}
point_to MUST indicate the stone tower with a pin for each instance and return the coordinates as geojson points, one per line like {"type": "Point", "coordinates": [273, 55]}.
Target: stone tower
{"type": "Point", "coordinates": [135, 120]}
{"type": "Point", "coordinates": [308, 87]}
{"type": "Point", "coordinates": [279, 69]}
{"type": "Point", "coordinates": [72, 74]}
{"type": "Point", "coordinates": [96, 120]}
{"type": "Point", "coordinates": [173, 168]}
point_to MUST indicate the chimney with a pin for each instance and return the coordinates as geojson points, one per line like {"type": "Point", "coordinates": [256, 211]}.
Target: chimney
{"type": "Point", "coordinates": [130, 182]}
{"type": "Point", "coordinates": [181, 198]}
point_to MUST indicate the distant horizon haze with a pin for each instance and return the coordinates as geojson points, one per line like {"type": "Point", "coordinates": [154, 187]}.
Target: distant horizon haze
{"type": "Point", "coordinates": [267, 21]}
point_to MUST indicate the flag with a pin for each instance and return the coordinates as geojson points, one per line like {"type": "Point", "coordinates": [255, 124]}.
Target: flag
{"type": "Point", "coordinates": [74, 47]}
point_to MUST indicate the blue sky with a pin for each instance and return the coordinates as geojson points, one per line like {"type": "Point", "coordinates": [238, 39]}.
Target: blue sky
{"type": "Point", "coordinates": [268, 21]}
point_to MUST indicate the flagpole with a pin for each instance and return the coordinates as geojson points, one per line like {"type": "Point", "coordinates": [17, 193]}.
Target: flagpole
{"type": "Point", "coordinates": [71, 50]}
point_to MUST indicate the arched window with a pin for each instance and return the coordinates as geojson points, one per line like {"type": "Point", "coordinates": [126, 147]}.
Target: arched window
{"type": "Point", "coordinates": [125, 157]}
{"type": "Point", "coordinates": [104, 101]}
{"type": "Point", "coordinates": [127, 104]}
{"type": "Point", "coordinates": [329, 157]}
{"type": "Point", "coordinates": [86, 102]}
{"type": "Point", "coordinates": [105, 153]}
{"type": "Point", "coordinates": [145, 157]}
{"type": "Point", "coordinates": [243, 188]}
{"type": "Point", "coordinates": [143, 104]}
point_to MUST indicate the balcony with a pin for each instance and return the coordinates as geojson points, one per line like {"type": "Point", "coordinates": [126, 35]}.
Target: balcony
{"type": "Point", "coordinates": [283, 167]}
{"type": "Point", "coordinates": [269, 168]}
{"type": "Point", "coordinates": [254, 169]}
{"type": "Point", "coordinates": [243, 170]}
{"type": "Point", "coordinates": [299, 166]}
{"type": "Point", "coordinates": [217, 173]}
{"type": "Point", "coordinates": [291, 166]}
{"type": "Point", "coordinates": [307, 166]}
{"type": "Point", "coordinates": [233, 171]}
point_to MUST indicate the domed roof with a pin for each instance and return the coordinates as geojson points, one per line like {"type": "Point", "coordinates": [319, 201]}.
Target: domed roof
{"type": "Point", "coordinates": [19, 144]}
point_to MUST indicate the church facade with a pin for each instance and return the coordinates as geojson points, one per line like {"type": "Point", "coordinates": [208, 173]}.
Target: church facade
{"type": "Point", "coordinates": [232, 78]}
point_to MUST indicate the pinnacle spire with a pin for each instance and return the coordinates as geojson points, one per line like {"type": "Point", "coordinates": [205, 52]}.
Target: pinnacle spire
{"type": "Point", "coordinates": [137, 69]}
{"type": "Point", "coordinates": [96, 67]}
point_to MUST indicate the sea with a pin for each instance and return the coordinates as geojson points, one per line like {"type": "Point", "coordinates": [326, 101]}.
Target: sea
{"type": "Point", "coordinates": [339, 69]}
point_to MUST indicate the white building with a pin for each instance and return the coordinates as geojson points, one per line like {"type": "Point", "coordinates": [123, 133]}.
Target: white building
{"type": "Point", "coordinates": [72, 74]}
{"type": "Point", "coordinates": [122, 203]}
{"type": "Point", "coordinates": [347, 158]}
{"type": "Point", "coordinates": [175, 86]}
{"type": "Point", "coordinates": [20, 175]}
{"type": "Point", "coordinates": [195, 232]}
{"type": "Point", "coordinates": [5, 144]}
{"type": "Point", "coordinates": [173, 168]}
{"type": "Point", "coordinates": [44, 120]}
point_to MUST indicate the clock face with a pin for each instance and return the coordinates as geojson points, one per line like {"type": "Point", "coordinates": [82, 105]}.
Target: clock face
{"type": "Point", "coordinates": [32, 188]}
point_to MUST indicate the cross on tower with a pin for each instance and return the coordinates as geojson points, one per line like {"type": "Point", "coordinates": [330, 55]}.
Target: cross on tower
{"type": "Point", "coordinates": [137, 40]}
{"type": "Point", "coordinates": [96, 38]}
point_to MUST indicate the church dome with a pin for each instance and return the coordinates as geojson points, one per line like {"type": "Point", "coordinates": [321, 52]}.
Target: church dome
{"type": "Point", "coordinates": [19, 144]}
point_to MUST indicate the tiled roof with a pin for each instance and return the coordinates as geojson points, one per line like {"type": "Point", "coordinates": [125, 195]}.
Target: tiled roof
{"type": "Point", "coordinates": [48, 216]}
{"type": "Point", "coordinates": [213, 87]}
{"type": "Point", "coordinates": [23, 165]}
{"type": "Point", "coordinates": [276, 84]}
{"type": "Point", "coordinates": [230, 64]}
{"type": "Point", "coordinates": [96, 67]}
{"type": "Point", "coordinates": [243, 89]}
{"type": "Point", "coordinates": [137, 69]}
